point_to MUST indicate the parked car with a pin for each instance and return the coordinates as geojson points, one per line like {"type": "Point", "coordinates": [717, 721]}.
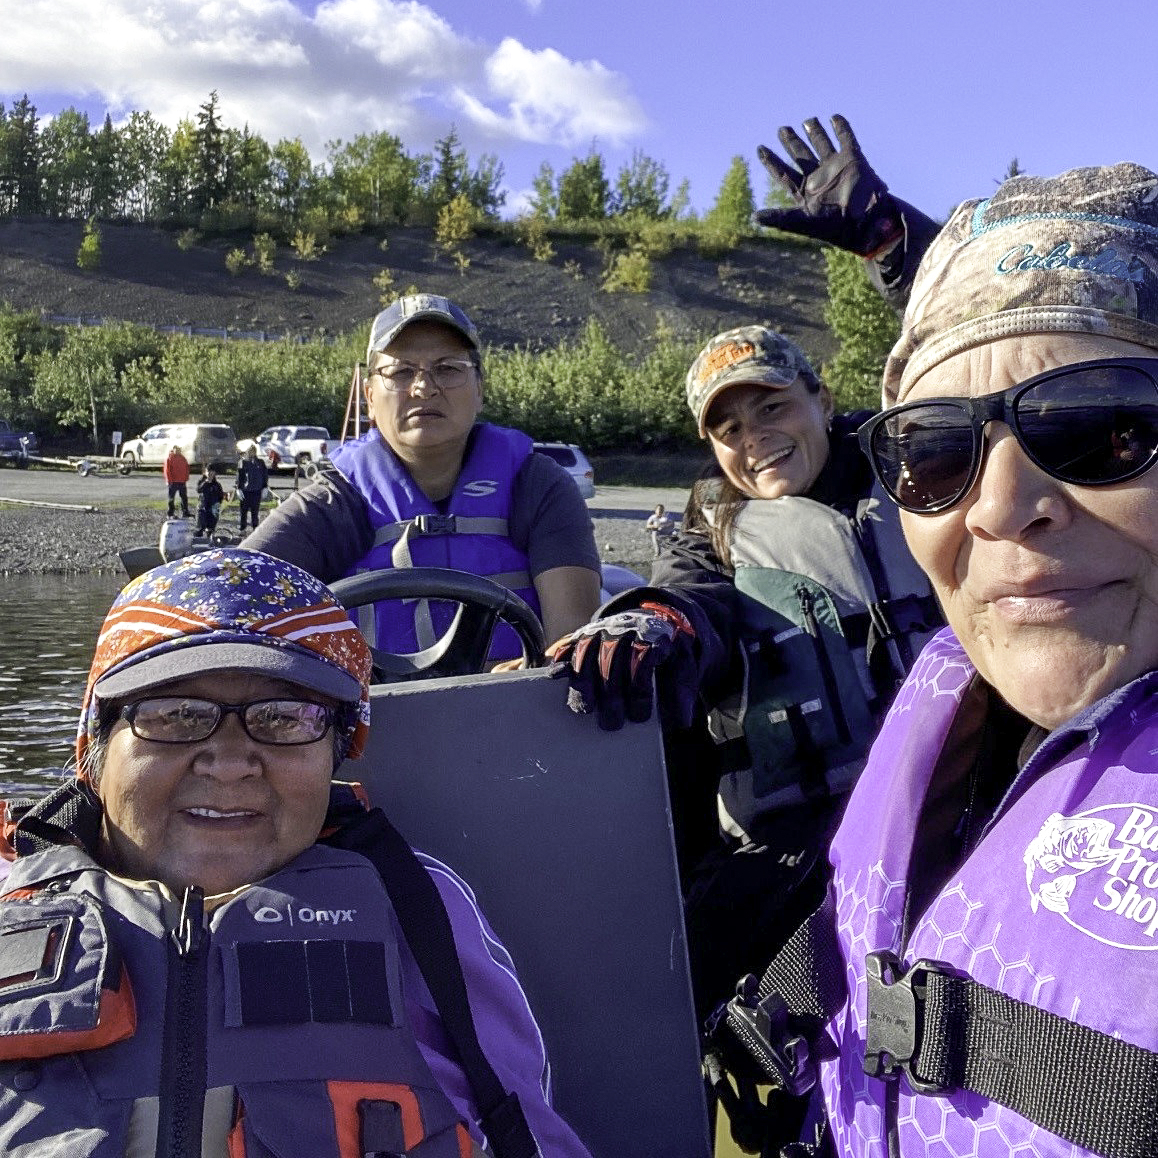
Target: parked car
{"type": "Point", "coordinates": [286, 447]}
{"type": "Point", "coordinates": [574, 462]}
{"type": "Point", "coordinates": [200, 442]}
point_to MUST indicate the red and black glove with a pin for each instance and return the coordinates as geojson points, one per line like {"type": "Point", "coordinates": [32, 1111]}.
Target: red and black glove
{"type": "Point", "coordinates": [611, 664]}
{"type": "Point", "coordinates": [839, 198]}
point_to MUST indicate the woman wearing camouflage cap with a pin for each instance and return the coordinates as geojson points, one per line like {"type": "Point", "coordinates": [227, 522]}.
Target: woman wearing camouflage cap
{"type": "Point", "coordinates": [782, 618]}
{"type": "Point", "coordinates": [992, 929]}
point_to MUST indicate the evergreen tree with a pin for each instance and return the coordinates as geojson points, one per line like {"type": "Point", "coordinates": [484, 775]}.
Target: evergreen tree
{"type": "Point", "coordinates": [450, 172]}
{"type": "Point", "coordinates": [108, 174]}
{"type": "Point", "coordinates": [583, 189]}
{"type": "Point", "coordinates": [20, 163]}
{"type": "Point", "coordinates": [735, 204]}
{"type": "Point", "coordinates": [865, 327]}
{"type": "Point", "coordinates": [210, 159]}
{"type": "Point", "coordinates": [482, 187]}
{"type": "Point", "coordinates": [544, 200]}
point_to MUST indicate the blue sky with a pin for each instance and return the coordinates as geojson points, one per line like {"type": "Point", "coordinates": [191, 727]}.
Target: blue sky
{"type": "Point", "coordinates": [942, 96]}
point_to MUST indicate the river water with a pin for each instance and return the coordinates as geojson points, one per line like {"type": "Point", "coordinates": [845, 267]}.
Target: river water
{"type": "Point", "coordinates": [51, 628]}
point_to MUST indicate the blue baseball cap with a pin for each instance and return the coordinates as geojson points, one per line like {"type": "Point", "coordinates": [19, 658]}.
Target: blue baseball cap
{"type": "Point", "coordinates": [418, 308]}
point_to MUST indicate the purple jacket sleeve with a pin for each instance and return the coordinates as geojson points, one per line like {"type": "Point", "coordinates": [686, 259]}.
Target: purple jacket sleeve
{"type": "Point", "coordinates": [506, 1027]}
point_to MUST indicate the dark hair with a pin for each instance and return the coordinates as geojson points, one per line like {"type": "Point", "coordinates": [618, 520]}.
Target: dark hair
{"type": "Point", "coordinates": [726, 501]}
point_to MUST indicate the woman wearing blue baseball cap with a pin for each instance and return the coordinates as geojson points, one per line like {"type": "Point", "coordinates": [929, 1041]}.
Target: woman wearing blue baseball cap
{"type": "Point", "coordinates": [430, 485]}
{"type": "Point", "coordinates": [208, 946]}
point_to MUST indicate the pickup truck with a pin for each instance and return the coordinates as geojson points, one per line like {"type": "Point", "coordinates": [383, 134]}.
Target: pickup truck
{"type": "Point", "coordinates": [16, 446]}
{"type": "Point", "coordinates": [287, 447]}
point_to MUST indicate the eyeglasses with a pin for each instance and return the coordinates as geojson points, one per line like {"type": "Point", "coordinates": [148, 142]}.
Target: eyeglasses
{"type": "Point", "coordinates": [1092, 423]}
{"type": "Point", "coordinates": [180, 720]}
{"type": "Point", "coordinates": [448, 374]}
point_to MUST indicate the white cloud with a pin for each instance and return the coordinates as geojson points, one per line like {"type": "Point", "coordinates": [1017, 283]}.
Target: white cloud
{"type": "Point", "coordinates": [547, 99]}
{"type": "Point", "coordinates": [351, 66]}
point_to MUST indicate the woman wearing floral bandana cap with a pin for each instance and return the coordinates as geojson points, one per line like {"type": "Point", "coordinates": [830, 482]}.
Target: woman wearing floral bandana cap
{"type": "Point", "coordinates": [995, 880]}
{"type": "Point", "coordinates": [201, 853]}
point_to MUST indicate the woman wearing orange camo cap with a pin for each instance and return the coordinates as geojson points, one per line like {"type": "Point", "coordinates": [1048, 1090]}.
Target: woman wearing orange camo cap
{"type": "Point", "coordinates": [197, 950]}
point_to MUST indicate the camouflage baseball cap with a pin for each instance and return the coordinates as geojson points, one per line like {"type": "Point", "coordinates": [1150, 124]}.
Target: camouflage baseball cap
{"type": "Point", "coordinates": [1076, 253]}
{"type": "Point", "coordinates": [747, 354]}
{"type": "Point", "coordinates": [418, 308]}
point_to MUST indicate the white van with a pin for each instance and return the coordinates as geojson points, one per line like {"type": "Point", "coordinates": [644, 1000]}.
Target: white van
{"type": "Point", "coordinates": [200, 443]}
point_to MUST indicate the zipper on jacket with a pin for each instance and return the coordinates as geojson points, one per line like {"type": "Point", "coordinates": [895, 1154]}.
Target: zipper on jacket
{"type": "Point", "coordinates": [183, 1047]}
{"type": "Point", "coordinates": [824, 663]}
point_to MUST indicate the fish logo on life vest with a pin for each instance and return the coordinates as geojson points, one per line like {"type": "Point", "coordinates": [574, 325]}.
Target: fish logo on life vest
{"type": "Point", "coordinates": [1098, 871]}
{"type": "Point", "coordinates": [479, 488]}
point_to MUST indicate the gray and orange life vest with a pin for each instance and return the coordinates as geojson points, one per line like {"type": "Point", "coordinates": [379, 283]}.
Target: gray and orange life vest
{"type": "Point", "coordinates": [133, 1022]}
{"type": "Point", "coordinates": [471, 534]}
{"type": "Point", "coordinates": [834, 614]}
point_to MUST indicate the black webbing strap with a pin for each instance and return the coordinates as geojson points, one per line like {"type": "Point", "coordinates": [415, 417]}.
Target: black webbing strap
{"type": "Point", "coordinates": [777, 1019]}
{"type": "Point", "coordinates": [808, 972]}
{"type": "Point", "coordinates": [426, 926]}
{"type": "Point", "coordinates": [948, 1033]}
{"type": "Point", "coordinates": [1096, 1091]}
{"type": "Point", "coordinates": [70, 814]}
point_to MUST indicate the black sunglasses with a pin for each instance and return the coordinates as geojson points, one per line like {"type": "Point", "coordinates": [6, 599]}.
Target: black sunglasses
{"type": "Point", "coordinates": [1092, 423]}
{"type": "Point", "coordinates": [185, 720]}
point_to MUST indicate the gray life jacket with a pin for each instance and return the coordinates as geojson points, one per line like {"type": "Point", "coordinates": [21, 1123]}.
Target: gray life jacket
{"type": "Point", "coordinates": [835, 612]}
{"type": "Point", "coordinates": [130, 1023]}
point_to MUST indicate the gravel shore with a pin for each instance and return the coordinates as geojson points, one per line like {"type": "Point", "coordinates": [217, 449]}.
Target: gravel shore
{"type": "Point", "coordinates": [43, 541]}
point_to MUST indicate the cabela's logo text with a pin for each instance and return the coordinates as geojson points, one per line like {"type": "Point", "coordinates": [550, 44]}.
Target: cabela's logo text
{"type": "Point", "coordinates": [1024, 258]}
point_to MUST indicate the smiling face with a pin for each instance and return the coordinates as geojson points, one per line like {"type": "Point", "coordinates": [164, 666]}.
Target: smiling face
{"type": "Point", "coordinates": [770, 441]}
{"type": "Point", "coordinates": [423, 420]}
{"type": "Point", "coordinates": [218, 813]}
{"type": "Point", "coordinates": [1051, 588]}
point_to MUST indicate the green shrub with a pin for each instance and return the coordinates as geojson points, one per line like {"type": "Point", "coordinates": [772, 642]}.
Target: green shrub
{"type": "Point", "coordinates": [456, 224]}
{"type": "Point", "coordinates": [531, 230]}
{"type": "Point", "coordinates": [236, 260]}
{"type": "Point", "coordinates": [630, 273]}
{"type": "Point", "coordinates": [384, 284]}
{"type": "Point", "coordinates": [264, 249]}
{"type": "Point", "coordinates": [591, 392]}
{"type": "Point", "coordinates": [305, 246]}
{"type": "Point", "coordinates": [88, 256]}
{"type": "Point", "coordinates": [293, 279]}
{"type": "Point", "coordinates": [187, 238]}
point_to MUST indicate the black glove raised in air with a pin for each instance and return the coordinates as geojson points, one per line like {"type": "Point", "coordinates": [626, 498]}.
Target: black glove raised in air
{"type": "Point", "coordinates": [839, 198]}
{"type": "Point", "coordinates": [611, 662]}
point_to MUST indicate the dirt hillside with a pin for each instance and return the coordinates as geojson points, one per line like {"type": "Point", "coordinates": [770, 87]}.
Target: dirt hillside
{"type": "Point", "coordinates": [514, 300]}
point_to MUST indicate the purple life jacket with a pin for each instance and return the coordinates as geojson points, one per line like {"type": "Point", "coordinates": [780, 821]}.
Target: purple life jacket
{"type": "Point", "coordinates": [293, 1014]}
{"type": "Point", "coordinates": [1056, 906]}
{"type": "Point", "coordinates": [472, 534]}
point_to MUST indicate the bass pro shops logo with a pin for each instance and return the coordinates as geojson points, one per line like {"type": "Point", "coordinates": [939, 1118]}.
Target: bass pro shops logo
{"type": "Point", "coordinates": [1098, 870]}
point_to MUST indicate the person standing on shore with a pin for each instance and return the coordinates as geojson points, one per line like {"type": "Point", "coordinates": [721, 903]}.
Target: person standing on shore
{"type": "Point", "coordinates": [210, 496]}
{"type": "Point", "coordinates": [176, 472]}
{"type": "Point", "coordinates": [252, 482]}
{"type": "Point", "coordinates": [659, 522]}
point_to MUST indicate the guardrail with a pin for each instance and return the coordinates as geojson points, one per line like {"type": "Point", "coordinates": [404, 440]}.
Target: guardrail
{"type": "Point", "coordinates": [224, 334]}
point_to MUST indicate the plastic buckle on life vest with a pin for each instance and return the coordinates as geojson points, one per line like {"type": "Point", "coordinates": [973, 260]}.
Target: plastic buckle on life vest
{"type": "Point", "coordinates": [434, 524]}
{"type": "Point", "coordinates": [896, 1017]}
{"type": "Point", "coordinates": [761, 1025]}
